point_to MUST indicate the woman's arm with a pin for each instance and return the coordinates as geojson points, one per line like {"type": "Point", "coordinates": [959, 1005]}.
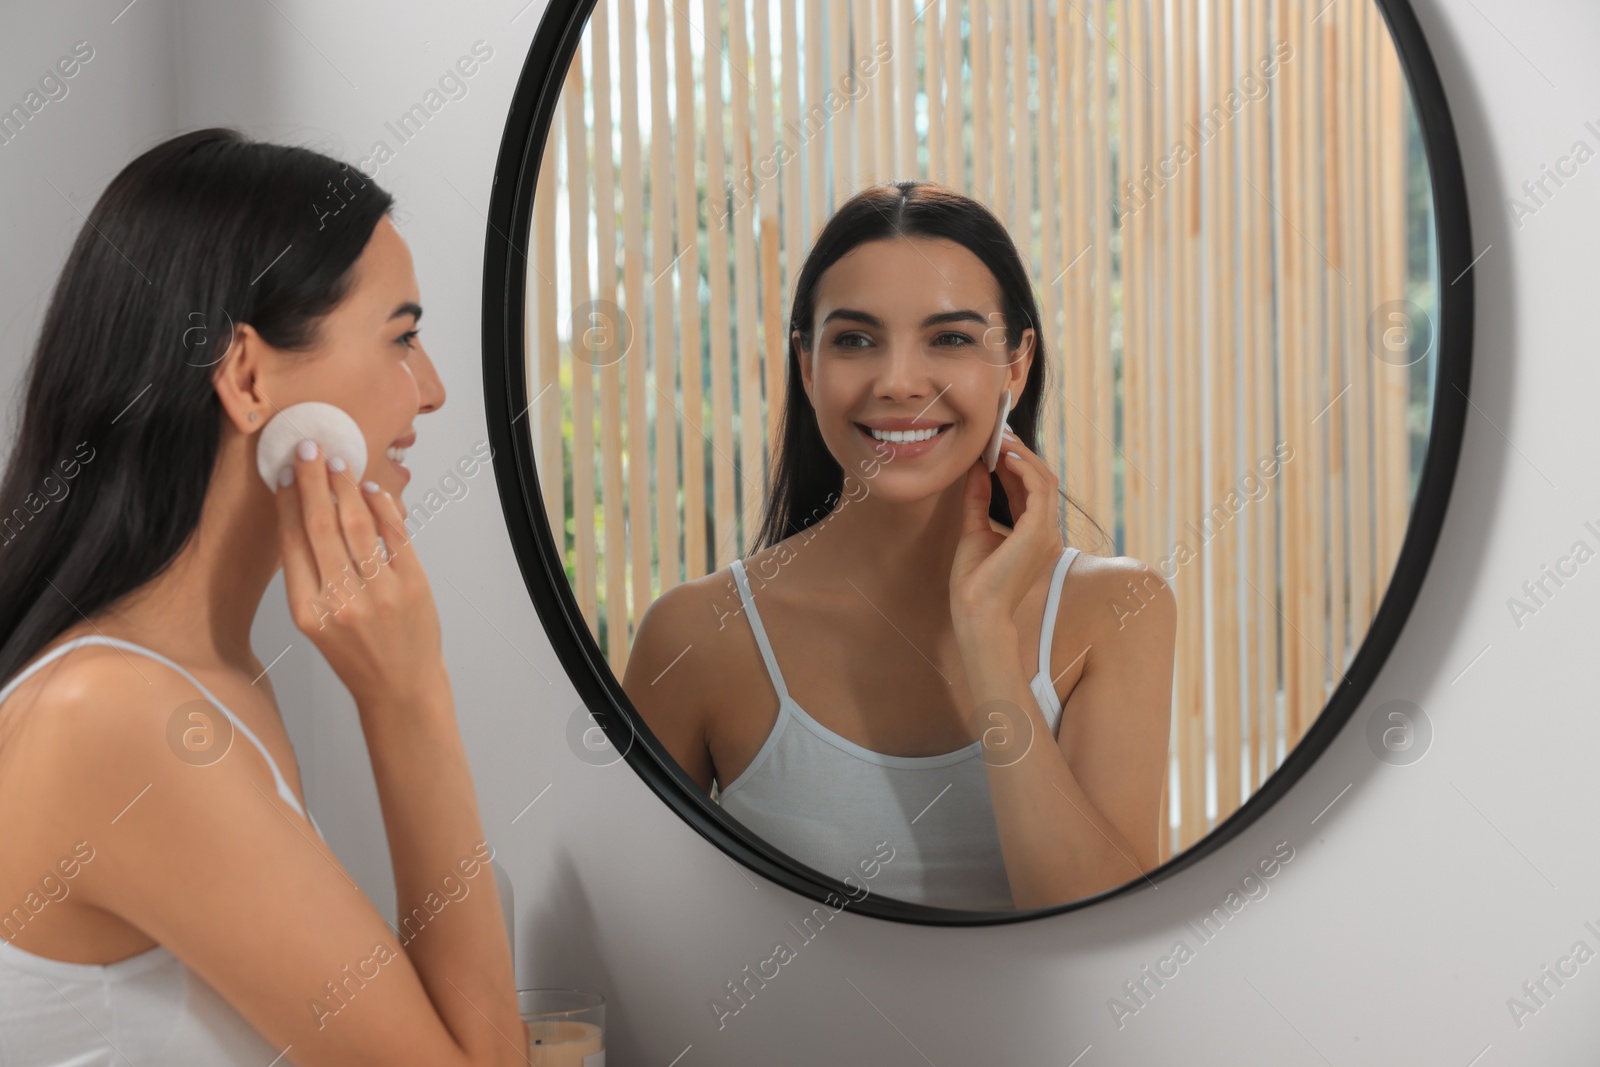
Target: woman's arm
{"type": "Point", "coordinates": [210, 862]}
{"type": "Point", "coordinates": [383, 641]}
{"type": "Point", "coordinates": [1078, 814]}
{"type": "Point", "coordinates": [1117, 722]}
{"type": "Point", "coordinates": [1062, 836]}
{"type": "Point", "coordinates": [659, 678]}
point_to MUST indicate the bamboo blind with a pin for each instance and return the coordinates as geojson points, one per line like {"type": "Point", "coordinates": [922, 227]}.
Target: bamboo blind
{"type": "Point", "coordinates": [1208, 244]}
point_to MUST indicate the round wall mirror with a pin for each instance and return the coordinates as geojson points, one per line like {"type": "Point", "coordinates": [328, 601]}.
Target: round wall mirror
{"type": "Point", "coordinates": [766, 283]}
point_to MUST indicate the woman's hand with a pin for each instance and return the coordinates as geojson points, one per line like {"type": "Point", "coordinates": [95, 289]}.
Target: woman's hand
{"type": "Point", "coordinates": [370, 612]}
{"type": "Point", "coordinates": [992, 572]}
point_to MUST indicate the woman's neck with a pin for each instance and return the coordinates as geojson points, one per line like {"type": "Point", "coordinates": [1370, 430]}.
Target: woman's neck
{"type": "Point", "coordinates": [892, 552]}
{"type": "Point", "coordinates": [201, 608]}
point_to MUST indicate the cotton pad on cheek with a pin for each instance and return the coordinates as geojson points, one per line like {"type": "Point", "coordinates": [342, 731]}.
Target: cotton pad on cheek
{"type": "Point", "coordinates": [991, 455]}
{"type": "Point", "coordinates": [334, 431]}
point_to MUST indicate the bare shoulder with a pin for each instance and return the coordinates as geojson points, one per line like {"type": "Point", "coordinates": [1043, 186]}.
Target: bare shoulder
{"type": "Point", "coordinates": [90, 693]}
{"type": "Point", "coordinates": [692, 613]}
{"type": "Point", "coordinates": [204, 858]}
{"type": "Point", "coordinates": [683, 662]}
{"type": "Point", "coordinates": [99, 725]}
{"type": "Point", "coordinates": [1114, 591]}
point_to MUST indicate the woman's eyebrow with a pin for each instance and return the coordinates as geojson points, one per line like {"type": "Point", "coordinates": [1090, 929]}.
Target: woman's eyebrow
{"type": "Point", "coordinates": [963, 315]}
{"type": "Point", "coordinates": [407, 308]}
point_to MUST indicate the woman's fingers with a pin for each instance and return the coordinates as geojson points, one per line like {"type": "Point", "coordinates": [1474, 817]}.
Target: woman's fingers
{"type": "Point", "coordinates": [1021, 468]}
{"type": "Point", "coordinates": [1018, 489]}
{"type": "Point", "coordinates": [320, 517]}
{"type": "Point", "coordinates": [975, 497]}
{"type": "Point", "coordinates": [301, 578]}
{"type": "Point", "coordinates": [392, 525]}
{"type": "Point", "coordinates": [357, 522]}
{"type": "Point", "coordinates": [1037, 482]}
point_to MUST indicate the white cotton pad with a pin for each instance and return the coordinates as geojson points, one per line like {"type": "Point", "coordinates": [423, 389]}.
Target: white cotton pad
{"type": "Point", "coordinates": [991, 455]}
{"type": "Point", "coordinates": [334, 431]}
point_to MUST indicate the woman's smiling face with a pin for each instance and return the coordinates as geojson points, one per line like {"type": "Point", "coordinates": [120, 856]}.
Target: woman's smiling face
{"type": "Point", "coordinates": [909, 337]}
{"type": "Point", "coordinates": [367, 359]}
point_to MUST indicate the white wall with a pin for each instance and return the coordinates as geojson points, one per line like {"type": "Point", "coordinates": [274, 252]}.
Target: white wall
{"type": "Point", "coordinates": [1414, 906]}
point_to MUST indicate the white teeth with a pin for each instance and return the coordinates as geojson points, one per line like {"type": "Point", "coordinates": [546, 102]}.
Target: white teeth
{"type": "Point", "coordinates": [396, 454]}
{"type": "Point", "coordinates": [904, 436]}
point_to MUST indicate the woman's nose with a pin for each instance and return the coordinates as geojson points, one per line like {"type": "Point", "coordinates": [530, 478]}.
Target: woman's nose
{"type": "Point", "coordinates": [904, 371]}
{"type": "Point", "coordinates": [430, 390]}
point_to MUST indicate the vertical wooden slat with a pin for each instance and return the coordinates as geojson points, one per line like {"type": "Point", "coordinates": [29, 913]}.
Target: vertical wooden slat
{"type": "Point", "coordinates": [1163, 274]}
{"type": "Point", "coordinates": [1336, 295]}
{"type": "Point", "coordinates": [1245, 415]}
{"type": "Point", "coordinates": [1000, 115]}
{"type": "Point", "coordinates": [881, 92]}
{"type": "Point", "coordinates": [1098, 404]}
{"type": "Point", "coordinates": [641, 536]}
{"type": "Point", "coordinates": [1050, 262]}
{"type": "Point", "coordinates": [1066, 187]}
{"type": "Point", "coordinates": [1257, 287]}
{"type": "Point", "coordinates": [933, 86]}
{"type": "Point", "coordinates": [955, 109]}
{"type": "Point", "coordinates": [747, 351]}
{"type": "Point", "coordinates": [664, 347]}
{"type": "Point", "coordinates": [1131, 101]}
{"type": "Point", "coordinates": [1292, 357]}
{"type": "Point", "coordinates": [721, 337]}
{"type": "Point", "coordinates": [1021, 155]}
{"type": "Point", "coordinates": [983, 142]}
{"type": "Point", "coordinates": [791, 163]}
{"type": "Point", "coordinates": [841, 183]}
{"type": "Point", "coordinates": [1188, 486]}
{"type": "Point", "coordinates": [1358, 401]}
{"type": "Point", "coordinates": [1274, 559]}
{"type": "Point", "coordinates": [791, 201]}
{"type": "Point", "coordinates": [899, 31]}
{"type": "Point", "coordinates": [583, 498]}
{"type": "Point", "coordinates": [609, 334]}
{"type": "Point", "coordinates": [766, 192]}
{"type": "Point", "coordinates": [1268, 528]}
{"type": "Point", "coordinates": [1316, 381]}
{"type": "Point", "coordinates": [1076, 161]}
{"type": "Point", "coordinates": [1221, 290]}
{"type": "Point", "coordinates": [1296, 356]}
{"type": "Point", "coordinates": [815, 126]}
{"type": "Point", "coordinates": [868, 165]}
{"type": "Point", "coordinates": [686, 140]}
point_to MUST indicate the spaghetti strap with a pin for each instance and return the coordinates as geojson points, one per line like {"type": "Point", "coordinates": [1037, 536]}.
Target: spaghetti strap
{"type": "Point", "coordinates": [116, 642]}
{"type": "Point", "coordinates": [748, 600]}
{"type": "Point", "coordinates": [1047, 628]}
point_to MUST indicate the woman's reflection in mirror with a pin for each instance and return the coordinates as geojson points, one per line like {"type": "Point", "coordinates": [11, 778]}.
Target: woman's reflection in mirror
{"type": "Point", "coordinates": [919, 656]}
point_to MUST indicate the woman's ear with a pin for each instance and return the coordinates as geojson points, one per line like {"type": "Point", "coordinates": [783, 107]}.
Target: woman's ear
{"type": "Point", "coordinates": [1021, 361]}
{"type": "Point", "coordinates": [237, 379]}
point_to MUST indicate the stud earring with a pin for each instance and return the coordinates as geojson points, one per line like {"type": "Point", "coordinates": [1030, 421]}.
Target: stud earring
{"type": "Point", "coordinates": [252, 416]}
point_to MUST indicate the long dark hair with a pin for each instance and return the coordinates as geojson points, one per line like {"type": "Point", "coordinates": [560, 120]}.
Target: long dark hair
{"type": "Point", "coordinates": [806, 480]}
{"type": "Point", "coordinates": [121, 425]}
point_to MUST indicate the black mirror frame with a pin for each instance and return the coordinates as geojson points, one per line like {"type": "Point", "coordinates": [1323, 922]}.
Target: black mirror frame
{"type": "Point", "coordinates": [506, 400]}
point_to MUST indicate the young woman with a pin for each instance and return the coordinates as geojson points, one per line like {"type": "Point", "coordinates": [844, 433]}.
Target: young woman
{"type": "Point", "coordinates": [931, 690]}
{"type": "Point", "coordinates": [165, 897]}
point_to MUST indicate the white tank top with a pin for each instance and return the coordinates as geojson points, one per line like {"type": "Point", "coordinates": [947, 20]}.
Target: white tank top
{"type": "Point", "coordinates": [829, 802]}
{"type": "Point", "coordinates": [146, 1009]}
